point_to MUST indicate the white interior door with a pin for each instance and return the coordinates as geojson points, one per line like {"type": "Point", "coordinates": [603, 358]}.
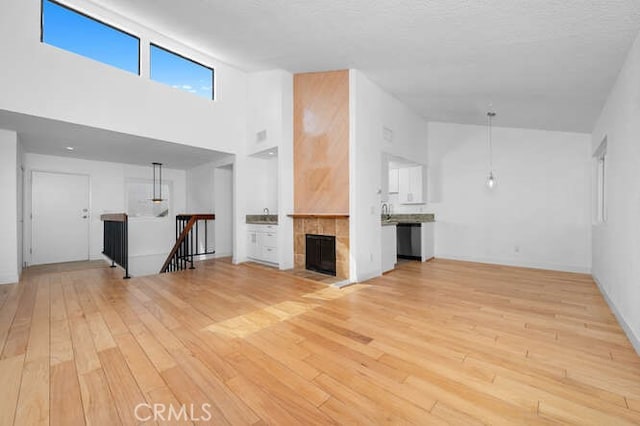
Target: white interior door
{"type": "Point", "coordinates": [60, 217]}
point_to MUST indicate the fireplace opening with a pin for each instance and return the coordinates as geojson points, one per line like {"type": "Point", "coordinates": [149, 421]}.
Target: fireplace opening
{"type": "Point", "coordinates": [321, 254]}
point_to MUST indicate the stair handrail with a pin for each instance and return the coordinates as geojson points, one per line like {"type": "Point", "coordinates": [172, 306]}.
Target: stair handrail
{"type": "Point", "coordinates": [193, 219]}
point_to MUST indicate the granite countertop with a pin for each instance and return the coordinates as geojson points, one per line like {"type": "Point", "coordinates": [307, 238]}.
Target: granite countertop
{"type": "Point", "coordinates": [388, 222]}
{"type": "Point", "coordinates": [395, 219]}
{"type": "Point", "coordinates": [262, 219]}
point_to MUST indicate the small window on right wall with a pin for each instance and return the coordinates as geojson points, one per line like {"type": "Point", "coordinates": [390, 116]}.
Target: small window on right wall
{"type": "Point", "coordinates": [600, 159]}
{"type": "Point", "coordinates": [181, 72]}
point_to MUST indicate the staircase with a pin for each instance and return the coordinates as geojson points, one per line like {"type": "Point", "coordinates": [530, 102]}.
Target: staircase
{"type": "Point", "coordinates": [188, 239]}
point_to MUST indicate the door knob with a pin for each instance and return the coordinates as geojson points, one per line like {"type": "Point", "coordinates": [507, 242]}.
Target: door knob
{"type": "Point", "coordinates": [85, 216]}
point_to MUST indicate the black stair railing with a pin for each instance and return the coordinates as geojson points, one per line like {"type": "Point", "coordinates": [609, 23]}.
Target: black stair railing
{"type": "Point", "coordinates": [188, 241]}
{"type": "Point", "coordinates": [115, 241]}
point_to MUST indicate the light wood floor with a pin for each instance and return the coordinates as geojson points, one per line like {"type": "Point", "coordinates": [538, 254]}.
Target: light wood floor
{"type": "Point", "coordinates": [432, 343]}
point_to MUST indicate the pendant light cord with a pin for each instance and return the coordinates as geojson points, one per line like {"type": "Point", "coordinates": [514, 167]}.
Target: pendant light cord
{"type": "Point", "coordinates": [490, 116]}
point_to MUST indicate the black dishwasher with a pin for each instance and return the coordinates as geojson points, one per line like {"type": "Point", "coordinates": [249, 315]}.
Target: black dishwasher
{"type": "Point", "coordinates": [409, 241]}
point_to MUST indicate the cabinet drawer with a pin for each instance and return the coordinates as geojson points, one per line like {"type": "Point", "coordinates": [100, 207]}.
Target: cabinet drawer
{"type": "Point", "coordinates": [262, 228]}
{"type": "Point", "coordinates": [270, 239]}
{"type": "Point", "coordinates": [270, 254]}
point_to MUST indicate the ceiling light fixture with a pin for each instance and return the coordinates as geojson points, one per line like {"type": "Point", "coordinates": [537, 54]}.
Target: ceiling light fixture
{"type": "Point", "coordinates": [491, 179]}
{"type": "Point", "coordinates": [69, 148]}
{"type": "Point", "coordinates": [157, 183]}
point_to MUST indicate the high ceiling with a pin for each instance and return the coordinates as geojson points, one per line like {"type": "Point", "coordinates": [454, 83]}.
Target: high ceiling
{"type": "Point", "coordinates": [545, 64]}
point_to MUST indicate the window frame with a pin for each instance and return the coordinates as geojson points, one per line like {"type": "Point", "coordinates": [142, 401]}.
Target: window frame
{"type": "Point", "coordinates": [213, 71]}
{"type": "Point", "coordinates": [99, 21]}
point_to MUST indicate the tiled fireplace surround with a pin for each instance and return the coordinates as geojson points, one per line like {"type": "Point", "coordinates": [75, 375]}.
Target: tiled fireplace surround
{"type": "Point", "coordinates": [338, 227]}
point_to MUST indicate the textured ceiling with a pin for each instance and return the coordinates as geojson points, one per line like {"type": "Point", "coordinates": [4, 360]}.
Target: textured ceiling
{"type": "Point", "coordinates": [542, 63]}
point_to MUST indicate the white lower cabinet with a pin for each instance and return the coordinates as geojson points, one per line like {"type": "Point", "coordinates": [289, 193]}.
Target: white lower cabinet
{"type": "Point", "coordinates": [269, 254]}
{"type": "Point", "coordinates": [252, 244]}
{"type": "Point", "coordinates": [428, 241]}
{"type": "Point", "coordinates": [262, 244]}
{"type": "Point", "coordinates": [389, 248]}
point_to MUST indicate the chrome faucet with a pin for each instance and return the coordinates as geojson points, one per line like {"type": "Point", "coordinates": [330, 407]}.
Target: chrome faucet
{"type": "Point", "coordinates": [266, 211]}
{"type": "Point", "coordinates": [385, 211]}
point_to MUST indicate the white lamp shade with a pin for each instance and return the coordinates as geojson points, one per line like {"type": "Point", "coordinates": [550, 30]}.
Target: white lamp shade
{"type": "Point", "coordinates": [491, 181]}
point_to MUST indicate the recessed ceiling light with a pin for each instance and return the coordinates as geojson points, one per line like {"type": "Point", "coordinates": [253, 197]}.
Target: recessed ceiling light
{"type": "Point", "coordinates": [69, 148]}
{"type": "Point", "coordinates": [270, 152]}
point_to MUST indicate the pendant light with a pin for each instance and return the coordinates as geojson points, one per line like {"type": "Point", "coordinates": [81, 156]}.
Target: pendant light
{"type": "Point", "coordinates": [157, 183]}
{"type": "Point", "coordinates": [491, 179]}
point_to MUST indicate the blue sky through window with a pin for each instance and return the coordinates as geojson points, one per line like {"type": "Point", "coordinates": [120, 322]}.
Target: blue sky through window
{"type": "Point", "coordinates": [181, 73]}
{"type": "Point", "coordinates": [77, 33]}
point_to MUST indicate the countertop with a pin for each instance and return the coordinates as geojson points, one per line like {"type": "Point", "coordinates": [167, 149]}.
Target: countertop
{"type": "Point", "coordinates": [395, 219]}
{"type": "Point", "coordinates": [261, 219]}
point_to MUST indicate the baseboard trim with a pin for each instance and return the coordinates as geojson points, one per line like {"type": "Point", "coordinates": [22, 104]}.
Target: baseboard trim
{"type": "Point", "coordinates": [368, 276]}
{"type": "Point", "coordinates": [533, 265]}
{"type": "Point", "coordinates": [9, 279]}
{"type": "Point", "coordinates": [263, 262]}
{"type": "Point", "coordinates": [633, 339]}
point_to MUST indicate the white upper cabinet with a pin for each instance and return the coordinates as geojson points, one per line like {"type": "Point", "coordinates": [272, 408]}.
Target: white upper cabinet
{"type": "Point", "coordinates": [403, 177]}
{"type": "Point", "coordinates": [393, 181]}
{"type": "Point", "coordinates": [411, 185]}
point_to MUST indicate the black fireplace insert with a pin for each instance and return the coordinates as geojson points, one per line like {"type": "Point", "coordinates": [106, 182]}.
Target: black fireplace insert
{"type": "Point", "coordinates": [321, 254]}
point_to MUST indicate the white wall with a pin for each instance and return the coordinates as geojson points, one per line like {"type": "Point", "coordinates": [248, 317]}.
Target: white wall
{"type": "Point", "coordinates": [267, 91]}
{"type": "Point", "coordinates": [147, 236]}
{"type": "Point", "coordinates": [42, 80]}
{"type": "Point", "coordinates": [19, 203]}
{"type": "Point", "coordinates": [200, 189]}
{"type": "Point", "coordinates": [539, 213]}
{"type": "Point", "coordinates": [263, 176]}
{"type": "Point", "coordinates": [9, 152]}
{"type": "Point", "coordinates": [285, 174]}
{"type": "Point", "coordinates": [616, 243]}
{"type": "Point", "coordinates": [371, 110]}
{"type": "Point", "coordinates": [223, 202]}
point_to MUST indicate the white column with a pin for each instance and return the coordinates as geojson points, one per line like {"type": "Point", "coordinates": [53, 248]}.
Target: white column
{"type": "Point", "coordinates": [9, 211]}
